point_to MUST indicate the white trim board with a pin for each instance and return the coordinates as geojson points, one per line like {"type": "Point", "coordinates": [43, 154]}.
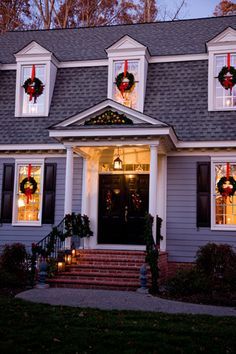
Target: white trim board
{"type": "Point", "coordinates": [104, 62]}
{"type": "Point", "coordinates": [32, 146]}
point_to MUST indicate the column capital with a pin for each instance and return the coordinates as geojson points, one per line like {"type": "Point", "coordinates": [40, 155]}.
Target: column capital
{"type": "Point", "coordinates": [154, 145]}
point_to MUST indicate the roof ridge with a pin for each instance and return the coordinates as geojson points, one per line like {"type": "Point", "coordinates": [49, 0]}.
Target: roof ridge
{"type": "Point", "coordinates": [123, 25]}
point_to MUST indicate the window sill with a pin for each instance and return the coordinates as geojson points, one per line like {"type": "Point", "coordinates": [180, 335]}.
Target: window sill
{"type": "Point", "coordinates": [222, 109]}
{"type": "Point", "coordinates": [223, 228]}
{"type": "Point", "coordinates": [28, 224]}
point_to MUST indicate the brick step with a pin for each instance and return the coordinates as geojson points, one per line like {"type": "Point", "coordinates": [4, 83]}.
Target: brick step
{"type": "Point", "coordinates": [114, 261]}
{"type": "Point", "coordinates": [93, 284]}
{"type": "Point", "coordinates": [96, 273]}
{"type": "Point", "coordinates": [111, 252]}
{"type": "Point", "coordinates": [110, 257]}
{"type": "Point", "coordinates": [104, 267]}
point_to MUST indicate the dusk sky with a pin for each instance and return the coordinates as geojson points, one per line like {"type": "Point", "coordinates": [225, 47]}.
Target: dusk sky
{"type": "Point", "coordinates": [194, 8]}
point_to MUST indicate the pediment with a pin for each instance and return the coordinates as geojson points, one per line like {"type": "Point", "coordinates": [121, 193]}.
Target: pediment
{"type": "Point", "coordinates": [227, 36]}
{"type": "Point", "coordinates": [108, 112]}
{"type": "Point", "coordinates": [124, 44]}
{"type": "Point", "coordinates": [33, 48]}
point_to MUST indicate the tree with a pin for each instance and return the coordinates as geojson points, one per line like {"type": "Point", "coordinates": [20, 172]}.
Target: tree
{"type": "Point", "coordinates": [225, 8]}
{"type": "Point", "coordinates": [74, 13]}
{"type": "Point", "coordinates": [147, 11]}
{"type": "Point", "coordinates": [14, 14]}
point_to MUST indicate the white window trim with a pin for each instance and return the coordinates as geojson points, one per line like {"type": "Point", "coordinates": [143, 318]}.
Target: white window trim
{"type": "Point", "coordinates": [214, 161]}
{"type": "Point", "coordinates": [223, 43]}
{"type": "Point", "coordinates": [19, 162]}
{"type": "Point", "coordinates": [129, 49]}
{"type": "Point", "coordinates": [33, 53]}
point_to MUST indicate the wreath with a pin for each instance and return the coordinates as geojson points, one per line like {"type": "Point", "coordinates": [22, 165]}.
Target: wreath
{"type": "Point", "coordinates": [33, 88]}
{"type": "Point", "coordinates": [28, 186]}
{"type": "Point", "coordinates": [125, 83]}
{"type": "Point", "coordinates": [227, 77]}
{"type": "Point", "coordinates": [226, 186]}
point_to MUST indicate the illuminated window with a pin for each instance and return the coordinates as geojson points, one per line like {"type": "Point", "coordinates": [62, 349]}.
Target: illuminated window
{"type": "Point", "coordinates": [28, 193]}
{"type": "Point", "coordinates": [128, 98]}
{"type": "Point", "coordinates": [29, 106]}
{"type": "Point", "coordinates": [224, 99]}
{"type": "Point", "coordinates": [224, 198]}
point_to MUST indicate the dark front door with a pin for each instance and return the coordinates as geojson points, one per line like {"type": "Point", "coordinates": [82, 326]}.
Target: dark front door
{"type": "Point", "coordinates": [123, 202]}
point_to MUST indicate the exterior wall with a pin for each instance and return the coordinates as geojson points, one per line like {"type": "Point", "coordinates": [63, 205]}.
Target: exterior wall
{"type": "Point", "coordinates": [27, 235]}
{"type": "Point", "coordinates": [183, 236]}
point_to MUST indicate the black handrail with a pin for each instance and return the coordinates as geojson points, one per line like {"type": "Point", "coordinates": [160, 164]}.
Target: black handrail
{"type": "Point", "coordinates": [58, 243]}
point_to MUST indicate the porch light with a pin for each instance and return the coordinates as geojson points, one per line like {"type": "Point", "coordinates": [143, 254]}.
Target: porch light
{"type": "Point", "coordinates": [117, 163]}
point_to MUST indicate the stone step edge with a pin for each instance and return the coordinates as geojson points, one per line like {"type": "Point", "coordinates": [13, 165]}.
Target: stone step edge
{"type": "Point", "coordinates": [91, 282]}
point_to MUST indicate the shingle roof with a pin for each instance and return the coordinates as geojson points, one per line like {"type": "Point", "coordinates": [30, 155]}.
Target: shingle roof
{"type": "Point", "coordinates": [161, 38]}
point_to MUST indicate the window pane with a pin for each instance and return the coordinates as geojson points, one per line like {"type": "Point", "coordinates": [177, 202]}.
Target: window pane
{"type": "Point", "coordinates": [29, 107]}
{"type": "Point", "coordinates": [225, 205]}
{"type": "Point", "coordinates": [128, 98]}
{"type": "Point", "coordinates": [28, 206]}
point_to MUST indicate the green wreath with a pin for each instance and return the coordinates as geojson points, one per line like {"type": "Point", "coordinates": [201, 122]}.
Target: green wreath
{"type": "Point", "coordinates": [37, 87]}
{"type": "Point", "coordinates": [228, 191]}
{"type": "Point", "coordinates": [224, 71]}
{"type": "Point", "coordinates": [120, 80]}
{"type": "Point", "coordinates": [33, 185]}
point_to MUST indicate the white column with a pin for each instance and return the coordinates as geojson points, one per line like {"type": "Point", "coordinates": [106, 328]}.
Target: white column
{"type": "Point", "coordinates": [69, 187]}
{"type": "Point", "coordinates": [153, 184]}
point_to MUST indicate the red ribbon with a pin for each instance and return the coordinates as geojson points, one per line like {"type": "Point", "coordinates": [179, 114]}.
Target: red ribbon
{"type": "Point", "coordinates": [28, 190]}
{"type": "Point", "coordinates": [228, 61]}
{"type": "Point", "coordinates": [125, 68]}
{"type": "Point", "coordinates": [227, 170]}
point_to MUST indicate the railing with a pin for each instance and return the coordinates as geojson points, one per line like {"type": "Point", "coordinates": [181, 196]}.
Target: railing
{"type": "Point", "coordinates": [55, 242]}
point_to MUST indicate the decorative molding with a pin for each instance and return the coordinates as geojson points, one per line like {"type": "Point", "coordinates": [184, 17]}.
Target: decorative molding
{"type": "Point", "coordinates": [223, 41]}
{"type": "Point", "coordinates": [135, 116]}
{"type": "Point", "coordinates": [21, 147]}
{"type": "Point", "coordinates": [104, 62]}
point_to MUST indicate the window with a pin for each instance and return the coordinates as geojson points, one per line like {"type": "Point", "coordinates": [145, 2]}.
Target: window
{"type": "Point", "coordinates": [31, 107]}
{"type": "Point", "coordinates": [224, 203]}
{"type": "Point", "coordinates": [45, 70]}
{"type": "Point", "coordinates": [137, 56]}
{"type": "Point", "coordinates": [127, 98]}
{"type": "Point", "coordinates": [224, 99]}
{"type": "Point", "coordinates": [28, 193]}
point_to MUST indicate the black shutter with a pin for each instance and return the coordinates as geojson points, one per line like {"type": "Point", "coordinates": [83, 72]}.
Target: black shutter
{"type": "Point", "coordinates": [203, 194]}
{"type": "Point", "coordinates": [49, 191]}
{"type": "Point", "coordinates": [7, 193]}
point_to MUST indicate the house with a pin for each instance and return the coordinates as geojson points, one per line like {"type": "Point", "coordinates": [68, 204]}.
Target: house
{"type": "Point", "coordinates": [121, 121]}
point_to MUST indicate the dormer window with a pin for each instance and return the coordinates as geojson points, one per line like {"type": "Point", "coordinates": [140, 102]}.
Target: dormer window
{"type": "Point", "coordinates": [128, 55]}
{"type": "Point", "coordinates": [45, 67]}
{"type": "Point", "coordinates": [222, 57]}
{"type": "Point", "coordinates": [126, 83]}
{"type": "Point", "coordinates": [224, 97]}
{"type": "Point", "coordinates": [33, 104]}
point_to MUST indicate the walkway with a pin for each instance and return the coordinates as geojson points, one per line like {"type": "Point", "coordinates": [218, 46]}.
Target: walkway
{"type": "Point", "coordinates": [119, 300]}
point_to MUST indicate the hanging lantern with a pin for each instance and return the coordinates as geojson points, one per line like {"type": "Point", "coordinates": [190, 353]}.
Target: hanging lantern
{"type": "Point", "coordinates": [117, 163]}
{"type": "Point", "coordinates": [68, 257]}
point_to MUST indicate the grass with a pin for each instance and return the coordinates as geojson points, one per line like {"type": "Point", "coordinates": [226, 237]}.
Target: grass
{"type": "Point", "coordinates": [36, 328]}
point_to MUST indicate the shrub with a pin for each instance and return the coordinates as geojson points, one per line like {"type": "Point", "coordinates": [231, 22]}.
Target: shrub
{"type": "Point", "coordinates": [13, 266]}
{"type": "Point", "coordinates": [214, 273]}
{"type": "Point", "coordinates": [218, 264]}
{"type": "Point", "coordinates": [187, 282]}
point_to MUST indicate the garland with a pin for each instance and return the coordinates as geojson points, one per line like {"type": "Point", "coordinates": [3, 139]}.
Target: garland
{"type": "Point", "coordinates": [226, 186]}
{"type": "Point", "coordinates": [109, 118]}
{"type": "Point", "coordinates": [33, 88]}
{"type": "Point", "coordinates": [227, 77]}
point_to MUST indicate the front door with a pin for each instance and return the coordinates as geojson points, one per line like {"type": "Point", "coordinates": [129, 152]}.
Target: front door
{"type": "Point", "coordinates": [123, 202]}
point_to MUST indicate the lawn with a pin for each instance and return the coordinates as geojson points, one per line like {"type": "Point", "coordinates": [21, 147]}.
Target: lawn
{"type": "Point", "coordinates": [34, 328]}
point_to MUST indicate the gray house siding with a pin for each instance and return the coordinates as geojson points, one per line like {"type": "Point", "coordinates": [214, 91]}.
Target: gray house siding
{"type": "Point", "coordinates": [27, 235]}
{"type": "Point", "coordinates": [183, 236]}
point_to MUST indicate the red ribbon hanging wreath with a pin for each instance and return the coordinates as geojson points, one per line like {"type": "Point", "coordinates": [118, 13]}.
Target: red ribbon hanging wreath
{"type": "Point", "coordinates": [227, 184]}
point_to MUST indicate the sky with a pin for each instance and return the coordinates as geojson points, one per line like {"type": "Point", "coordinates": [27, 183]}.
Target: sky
{"type": "Point", "coordinates": [194, 8]}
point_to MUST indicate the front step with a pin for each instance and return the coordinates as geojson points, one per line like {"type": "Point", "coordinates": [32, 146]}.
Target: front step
{"type": "Point", "coordinates": [103, 269]}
